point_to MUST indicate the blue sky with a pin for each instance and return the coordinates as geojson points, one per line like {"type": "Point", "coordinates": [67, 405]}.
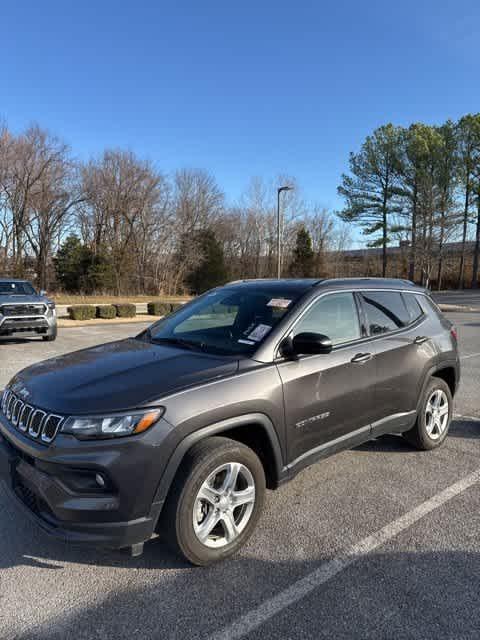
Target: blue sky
{"type": "Point", "coordinates": [239, 88]}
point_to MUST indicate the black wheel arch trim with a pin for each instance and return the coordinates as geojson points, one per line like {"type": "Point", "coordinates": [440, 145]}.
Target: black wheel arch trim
{"type": "Point", "coordinates": [217, 429]}
{"type": "Point", "coordinates": [445, 364]}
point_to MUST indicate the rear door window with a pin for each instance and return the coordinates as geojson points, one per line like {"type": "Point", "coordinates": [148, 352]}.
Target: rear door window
{"type": "Point", "coordinates": [413, 307]}
{"type": "Point", "coordinates": [385, 311]}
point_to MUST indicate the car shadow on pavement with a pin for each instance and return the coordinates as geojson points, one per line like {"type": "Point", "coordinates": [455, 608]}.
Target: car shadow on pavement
{"type": "Point", "coordinates": [391, 443]}
{"type": "Point", "coordinates": [424, 595]}
{"type": "Point", "coordinates": [4, 341]}
{"type": "Point", "coordinates": [55, 554]}
{"type": "Point", "coordinates": [459, 428]}
{"type": "Point", "coordinates": [464, 429]}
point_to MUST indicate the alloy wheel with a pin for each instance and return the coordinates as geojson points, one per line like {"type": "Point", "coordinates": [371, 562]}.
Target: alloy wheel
{"type": "Point", "coordinates": [436, 414]}
{"type": "Point", "coordinates": [224, 505]}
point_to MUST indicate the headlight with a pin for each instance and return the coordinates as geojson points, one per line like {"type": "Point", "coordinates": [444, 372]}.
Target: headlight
{"type": "Point", "coordinates": [113, 425]}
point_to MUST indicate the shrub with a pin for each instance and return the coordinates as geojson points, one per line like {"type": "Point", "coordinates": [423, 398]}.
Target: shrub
{"type": "Point", "coordinates": [82, 312]}
{"type": "Point", "coordinates": [126, 310]}
{"type": "Point", "coordinates": [159, 308]}
{"type": "Point", "coordinates": [176, 305]}
{"type": "Point", "coordinates": [106, 311]}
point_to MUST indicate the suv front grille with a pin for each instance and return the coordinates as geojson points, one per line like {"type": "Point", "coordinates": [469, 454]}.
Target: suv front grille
{"type": "Point", "coordinates": [9, 310]}
{"type": "Point", "coordinates": [30, 421]}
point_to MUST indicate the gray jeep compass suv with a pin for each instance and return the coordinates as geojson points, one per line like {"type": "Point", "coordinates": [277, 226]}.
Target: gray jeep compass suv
{"type": "Point", "coordinates": [181, 429]}
{"type": "Point", "coordinates": [25, 312]}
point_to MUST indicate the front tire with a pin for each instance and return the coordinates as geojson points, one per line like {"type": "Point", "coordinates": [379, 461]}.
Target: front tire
{"type": "Point", "coordinates": [435, 414]}
{"type": "Point", "coordinates": [215, 502]}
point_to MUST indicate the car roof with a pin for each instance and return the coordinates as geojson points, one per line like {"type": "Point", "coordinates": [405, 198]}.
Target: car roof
{"type": "Point", "coordinates": [372, 283]}
{"type": "Point", "coordinates": [284, 286]}
{"type": "Point", "coordinates": [301, 285]}
{"type": "Point", "coordinates": [14, 280]}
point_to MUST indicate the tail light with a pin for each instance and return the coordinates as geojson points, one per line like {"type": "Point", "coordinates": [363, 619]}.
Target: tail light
{"type": "Point", "coordinates": [453, 333]}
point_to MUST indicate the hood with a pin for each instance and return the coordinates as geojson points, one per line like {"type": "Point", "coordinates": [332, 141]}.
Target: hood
{"type": "Point", "coordinates": [16, 299]}
{"type": "Point", "coordinates": [116, 376]}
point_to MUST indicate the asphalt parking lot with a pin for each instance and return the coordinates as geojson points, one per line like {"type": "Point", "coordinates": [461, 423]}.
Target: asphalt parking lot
{"type": "Point", "coordinates": [378, 542]}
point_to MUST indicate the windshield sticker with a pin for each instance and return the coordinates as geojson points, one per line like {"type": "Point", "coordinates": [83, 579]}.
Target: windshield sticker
{"type": "Point", "coordinates": [279, 303]}
{"type": "Point", "coordinates": [260, 332]}
{"type": "Point", "coordinates": [242, 341]}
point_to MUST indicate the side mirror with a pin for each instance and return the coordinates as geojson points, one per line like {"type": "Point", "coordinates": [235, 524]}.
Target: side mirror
{"type": "Point", "coordinates": [311, 343]}
{"type": "Point", "coordinates": [43, 292]}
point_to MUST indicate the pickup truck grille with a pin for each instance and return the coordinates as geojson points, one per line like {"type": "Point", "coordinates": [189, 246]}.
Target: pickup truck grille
{"type": "Point", "coordinates": [32, 422]}
{"type": "Point", "coordinates": [12, 310]}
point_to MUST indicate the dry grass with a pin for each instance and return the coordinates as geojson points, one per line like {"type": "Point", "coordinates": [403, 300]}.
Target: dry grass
{"type": "Point", "coordinates": [63, 299]}
{"type": "Point", "coordinates": [65, 322]}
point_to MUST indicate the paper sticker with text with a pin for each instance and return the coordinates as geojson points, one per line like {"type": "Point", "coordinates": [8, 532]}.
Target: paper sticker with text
{"type": "Point", "coordinates": [260, 332]}
{"type": "Point", "coordinates": [279, 303]}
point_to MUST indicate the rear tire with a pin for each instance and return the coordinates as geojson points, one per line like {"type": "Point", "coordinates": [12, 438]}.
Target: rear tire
{"type": "Point", "coordinates": [435, 414]}
{"type": "Point", "coordinates": [215, 501]}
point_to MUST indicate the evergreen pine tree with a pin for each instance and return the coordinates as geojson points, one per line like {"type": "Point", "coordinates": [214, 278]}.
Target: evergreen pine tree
{"type": "Point", "coordinates": [303, 262]}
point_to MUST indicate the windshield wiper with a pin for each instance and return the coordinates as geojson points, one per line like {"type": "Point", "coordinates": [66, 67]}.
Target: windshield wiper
{"type": "Point", "coordinates": [194, 346]}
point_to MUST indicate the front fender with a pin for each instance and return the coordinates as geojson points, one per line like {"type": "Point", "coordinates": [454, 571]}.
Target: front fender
{"type": "Point", "coordinates": [254, 419]}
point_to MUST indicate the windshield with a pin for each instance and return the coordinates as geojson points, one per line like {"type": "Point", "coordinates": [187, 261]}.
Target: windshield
{"type": "Point", "coordinates": [16, 289]}
{"type": "Point", "coordinates": [225, 321]}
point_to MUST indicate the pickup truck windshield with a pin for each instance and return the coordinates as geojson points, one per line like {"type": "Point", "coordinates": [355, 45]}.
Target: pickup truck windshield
{"type": "Point", "coordinates": [226, 321]}
{"type": "Point", "coordinates": [16, 289]}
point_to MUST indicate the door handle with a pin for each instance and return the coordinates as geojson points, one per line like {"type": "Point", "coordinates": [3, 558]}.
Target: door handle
{"type": "Point", "coordinates": [361, 357]}
{"type": "Point", "coordinates": [420, 339]}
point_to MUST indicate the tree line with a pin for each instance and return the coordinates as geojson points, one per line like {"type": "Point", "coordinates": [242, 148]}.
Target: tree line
{"type": "Point", "coordinates": [117, 224]}
{"type": "Point", "coordinates": [419, 185]}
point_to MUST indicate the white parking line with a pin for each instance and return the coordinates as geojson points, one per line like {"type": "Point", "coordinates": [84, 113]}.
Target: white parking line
{"type": "Point", "coordinates": [470, 355]}
{"type": "Point", "coordinates": [298, 590]}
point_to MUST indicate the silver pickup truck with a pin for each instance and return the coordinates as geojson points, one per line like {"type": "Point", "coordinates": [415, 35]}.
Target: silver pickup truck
{"type": "Point", "coordinates": [26, 312]}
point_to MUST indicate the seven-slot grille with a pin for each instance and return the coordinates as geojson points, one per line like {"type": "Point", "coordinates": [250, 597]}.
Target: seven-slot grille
{"type": "Point", "coordinates": [30, 421]}
{"type": "Point", "coordinates": [9, 310]}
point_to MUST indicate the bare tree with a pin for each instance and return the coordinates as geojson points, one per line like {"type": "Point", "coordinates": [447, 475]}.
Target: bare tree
{"type": "Point", "coordinates": [198, 203]}
{"type": "Point", "coordinates": [32, 167]}
{"type": "Point", "coordinates": [126, 204]}
{"type": "Point", "coordinates": [57, 193]}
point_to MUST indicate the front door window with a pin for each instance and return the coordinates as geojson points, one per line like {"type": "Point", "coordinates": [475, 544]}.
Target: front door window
{"type": "Point", "coordinates": [334, 316]}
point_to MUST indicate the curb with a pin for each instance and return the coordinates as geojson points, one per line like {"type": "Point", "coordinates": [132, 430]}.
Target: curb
{"type": "Point", "coordinates": [458, 308]}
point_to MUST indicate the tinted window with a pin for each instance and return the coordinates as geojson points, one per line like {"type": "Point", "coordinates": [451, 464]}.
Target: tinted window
{"type": "Point", "coordinates": [335, 316]}
{"type": "Point", "coordinates": [385, 311]}
{"type": "Point", "coordinates": [414, 309]}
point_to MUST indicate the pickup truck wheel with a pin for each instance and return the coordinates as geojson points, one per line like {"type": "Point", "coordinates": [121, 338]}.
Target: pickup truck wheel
{"type": "Point", "coordinates": [434, 417]}
{"type": "Point", "coordinates": [215, 501]}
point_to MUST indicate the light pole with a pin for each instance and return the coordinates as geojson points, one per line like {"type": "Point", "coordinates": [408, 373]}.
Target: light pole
{"type": "Point", "coordinates": [279, 248]}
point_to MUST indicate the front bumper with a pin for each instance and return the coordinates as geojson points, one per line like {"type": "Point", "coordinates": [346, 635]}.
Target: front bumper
{"type": "Point", "coordinates": [36, 325]}
{"type": "Point", "coordinates": [43, 481]}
